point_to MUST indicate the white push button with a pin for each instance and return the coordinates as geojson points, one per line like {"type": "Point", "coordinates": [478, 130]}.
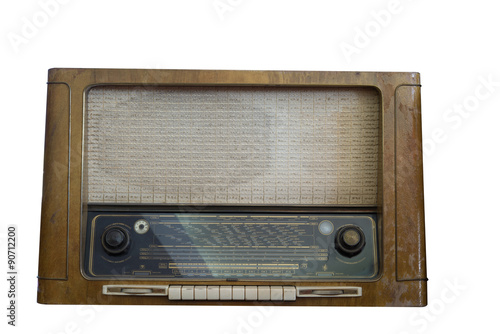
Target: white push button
{"type": "Point", "coordinates": [213, 292]}
{"type": "Point", "coordinates": [174, 292]}
{"type": "Point", "coordinates": [226, 292]}
{"type": "Point", "coordinates": [187, 292]}
{"type": "Point", "coordinates": [200, 292]}
{"type": "Point", "coordinates": [289, 293]}
{"type": "Point", "coordinates": [276, 293]}
{"type": "Point", "coordinates": [250, 292]}
{"type": "Point", "coordinates": [263, 293]}
{"type": "Point", "coordinates": [238, 293]}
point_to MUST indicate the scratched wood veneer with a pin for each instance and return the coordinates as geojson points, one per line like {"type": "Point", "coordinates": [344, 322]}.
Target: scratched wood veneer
{"type": "Point", "coordinates": [402, 279]}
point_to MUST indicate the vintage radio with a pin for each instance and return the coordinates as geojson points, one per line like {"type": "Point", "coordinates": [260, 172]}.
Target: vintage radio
{"type": "Point", "coordinates": [232, 187]}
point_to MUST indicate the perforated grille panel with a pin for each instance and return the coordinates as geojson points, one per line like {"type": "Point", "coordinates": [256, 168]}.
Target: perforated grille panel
{"type": "Point", "coordinates": [231, 145]}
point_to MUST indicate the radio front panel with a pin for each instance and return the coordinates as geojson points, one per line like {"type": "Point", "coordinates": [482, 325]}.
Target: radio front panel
{"type": "Point", "coordinates": [247, 146]}
{"type": "Point", "coordinates": [233, 247]}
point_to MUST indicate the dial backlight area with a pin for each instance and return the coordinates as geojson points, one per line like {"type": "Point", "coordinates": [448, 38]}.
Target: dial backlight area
{"type": "Point", "coordinates": [141, 226]}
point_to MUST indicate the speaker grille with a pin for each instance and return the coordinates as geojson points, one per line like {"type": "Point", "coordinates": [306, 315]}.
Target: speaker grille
{"type": "Point", "coordinates": [231, 145]}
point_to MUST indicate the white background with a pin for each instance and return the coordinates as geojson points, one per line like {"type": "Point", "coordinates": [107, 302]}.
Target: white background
{"type": "Point", "coordinates": [453, 44]}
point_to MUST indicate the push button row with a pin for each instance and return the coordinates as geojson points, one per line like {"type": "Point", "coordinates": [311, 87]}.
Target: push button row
{"type": "Point", "coordinates": [228, 292]}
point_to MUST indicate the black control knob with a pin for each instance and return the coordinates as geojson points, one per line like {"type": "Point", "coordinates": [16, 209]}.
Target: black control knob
{"type": "Point", "coordinates": [115, 240]}
{"type": "Point", "coordinates": [350, 240]}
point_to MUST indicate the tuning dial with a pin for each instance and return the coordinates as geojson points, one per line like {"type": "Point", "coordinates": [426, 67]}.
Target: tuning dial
{"type": "Point", "coordinates": [115, 240]}
{"type": "Point", "coordinates": [349, 240]}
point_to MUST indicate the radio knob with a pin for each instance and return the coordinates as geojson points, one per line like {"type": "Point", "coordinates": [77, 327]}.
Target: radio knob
{"type": "Point", "coordinates": [115, 240]}
{"type": "Point", "coordinates": [350, 241]}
